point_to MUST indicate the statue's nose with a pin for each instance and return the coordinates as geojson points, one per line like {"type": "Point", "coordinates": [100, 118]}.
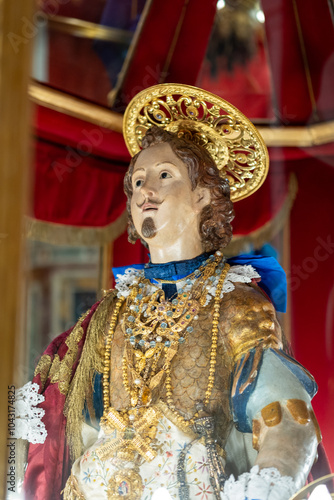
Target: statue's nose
{"type": "Point", "coordinates": [148, 188]}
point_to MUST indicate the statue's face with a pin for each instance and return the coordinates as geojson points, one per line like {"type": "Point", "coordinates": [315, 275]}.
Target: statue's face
{"type": "Point", "coordinates": [163, 205]}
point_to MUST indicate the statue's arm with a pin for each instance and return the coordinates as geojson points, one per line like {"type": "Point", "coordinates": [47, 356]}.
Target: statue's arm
{"type": "Point", "coordinates": [285, 433]}
{"type": "Point", "coordinates": [270, 392]}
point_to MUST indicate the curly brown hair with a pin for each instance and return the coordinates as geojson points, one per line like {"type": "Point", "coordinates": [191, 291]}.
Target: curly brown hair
{"type": "Point", "coordinates": [214, 226]}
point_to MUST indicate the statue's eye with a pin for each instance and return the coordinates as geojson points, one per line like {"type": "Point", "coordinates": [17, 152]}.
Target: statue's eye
{"type": "Point", "coordinates": [138, 183]}
{"type": "Point", "coordinates": [164, 175]}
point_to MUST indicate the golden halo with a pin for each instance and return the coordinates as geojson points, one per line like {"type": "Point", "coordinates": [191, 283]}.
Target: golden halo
{"type": "Point", "coordinates": [232, 140]}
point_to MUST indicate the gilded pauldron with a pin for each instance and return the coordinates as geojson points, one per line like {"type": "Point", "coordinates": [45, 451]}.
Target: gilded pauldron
{"type": "Point", "coordinates": [254, 324]}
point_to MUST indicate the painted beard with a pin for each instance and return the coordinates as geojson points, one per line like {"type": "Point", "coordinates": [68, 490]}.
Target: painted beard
{"type": "Point", "coordinates": [148, 229]}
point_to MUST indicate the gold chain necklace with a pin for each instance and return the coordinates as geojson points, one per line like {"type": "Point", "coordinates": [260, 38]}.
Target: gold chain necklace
{"type": "Point", "coordinates": [147, 417]}
{"type": "Point", "coordinates": [156, 326]}
{"type": "Point", "coordinates": [153, 317]}
{"type": "Point", "coordinates": [213, 357]}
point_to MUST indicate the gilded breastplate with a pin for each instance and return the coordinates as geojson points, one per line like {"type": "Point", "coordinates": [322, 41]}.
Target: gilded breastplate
{"type": "Point", "coordinates": [189, 374]}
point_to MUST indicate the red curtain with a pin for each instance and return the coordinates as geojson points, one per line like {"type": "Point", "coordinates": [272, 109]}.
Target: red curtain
{"type": "Point", "coordinates": [79, 171]}
{"type": "Point", "coordinates": [311, 282]}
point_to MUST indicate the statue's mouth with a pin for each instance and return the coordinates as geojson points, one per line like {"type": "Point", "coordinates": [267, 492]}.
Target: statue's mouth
{"type": "Point", "coordinates": [149, 206]}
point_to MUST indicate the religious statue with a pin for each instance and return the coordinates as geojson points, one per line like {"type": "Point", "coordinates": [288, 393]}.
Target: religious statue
{"type": "Point", "coordinates": [178, 383]}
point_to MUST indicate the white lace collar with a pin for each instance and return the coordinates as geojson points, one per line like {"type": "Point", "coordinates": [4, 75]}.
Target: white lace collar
{"type": "Point", "coordinates": [236, 274]}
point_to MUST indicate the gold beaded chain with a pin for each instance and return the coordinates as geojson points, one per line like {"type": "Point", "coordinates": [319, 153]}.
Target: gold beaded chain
{"type": "Point", "coordinates": [170, 403]}
{"type": "Point", "coordinates": [106, 367]}
{"type": "Point", "coordinates": [213, 357]}
{"type": "Point", "coordinates": [167, 313]}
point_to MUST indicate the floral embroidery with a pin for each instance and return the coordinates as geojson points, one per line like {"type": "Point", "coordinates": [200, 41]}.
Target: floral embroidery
{"type": "Point", "coordinates": [85, 457]}
{"type": "Point", "coordinates": [181, 447]}
{"type": "Point", "coordinates": [202, 465]}
{"type": "Point", "coordinates": [95, 474]}
{"type": "Point", "coordinates": [204, 492]}
{"type": "Point", "coordinates": [87, 476]}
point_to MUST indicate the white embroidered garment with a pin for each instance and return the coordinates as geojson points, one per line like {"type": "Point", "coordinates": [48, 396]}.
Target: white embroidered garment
{"type": "Point", "coordinates": [264, 484]}
{"type": "Point", "coordinates": [28, 423]}
{"type": "Point", "coordinates": [93, 475]}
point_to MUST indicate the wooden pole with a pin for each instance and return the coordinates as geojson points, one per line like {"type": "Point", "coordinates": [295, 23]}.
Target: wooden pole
{"type": "Point", "coordinates": [105, 273]}
{"type": "Point", "coordinates": [18, 29]}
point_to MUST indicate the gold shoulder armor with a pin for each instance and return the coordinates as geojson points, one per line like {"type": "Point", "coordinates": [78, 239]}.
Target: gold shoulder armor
{"type": "Point", "coordinates": [249, 321]}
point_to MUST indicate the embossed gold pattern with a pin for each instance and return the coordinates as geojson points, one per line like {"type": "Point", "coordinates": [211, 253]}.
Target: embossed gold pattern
{"type": "Point", "coordinates": [231, 139]}
{"type": "Point", "coordinates": [135, 436]}
{"type": "Point", "coordinates": [213, 355]}
{"type": "Point", "coordinates": [254, 323]}
{"type": "Point", "coordinates": [272, 414]}
{"type": "Point", "coordinates": [126, 484]}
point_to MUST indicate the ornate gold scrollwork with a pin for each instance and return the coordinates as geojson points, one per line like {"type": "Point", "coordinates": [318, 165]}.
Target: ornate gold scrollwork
{"type": "Point", "coordinates": [232, 140]}
{"type": "Point", "coordinates": [125, 484]}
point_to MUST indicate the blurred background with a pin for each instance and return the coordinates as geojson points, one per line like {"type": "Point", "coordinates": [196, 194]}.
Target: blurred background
{"type": "Point", "coordinates": [68, 70]}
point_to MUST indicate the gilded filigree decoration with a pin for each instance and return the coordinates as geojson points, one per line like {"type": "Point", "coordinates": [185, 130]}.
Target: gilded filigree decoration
{"type": "Point", "coordinates": [81, 384]}
{"type": "Point", "coordinates": [43, 368]}
{"type": "Point", "coordinates": [58, 370]}
{"type": "Point", "coordinates": [135, 437]}
{"type": "Point", "coordinates": [72, 490]}
{"type": "Point", "coordinates": [61, 370]}
{"type": "Point", "coordinates": [231, 139]}
{"type": "Point", "coordinates": [127, 484]}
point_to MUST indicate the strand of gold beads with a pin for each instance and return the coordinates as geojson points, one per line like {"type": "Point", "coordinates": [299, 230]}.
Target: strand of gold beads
{"type": "Point", "coordinates": [106, 367]}
{"type": "Point", "coordinates": [213, 357]}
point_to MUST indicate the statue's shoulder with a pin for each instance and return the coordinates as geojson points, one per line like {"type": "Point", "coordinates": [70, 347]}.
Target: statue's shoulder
{"type": "Point", "coordinates": [248, 318]}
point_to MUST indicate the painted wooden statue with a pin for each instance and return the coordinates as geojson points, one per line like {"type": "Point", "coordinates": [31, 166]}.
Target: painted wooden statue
{"type": "Point", "coordinates": [178, 383]}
